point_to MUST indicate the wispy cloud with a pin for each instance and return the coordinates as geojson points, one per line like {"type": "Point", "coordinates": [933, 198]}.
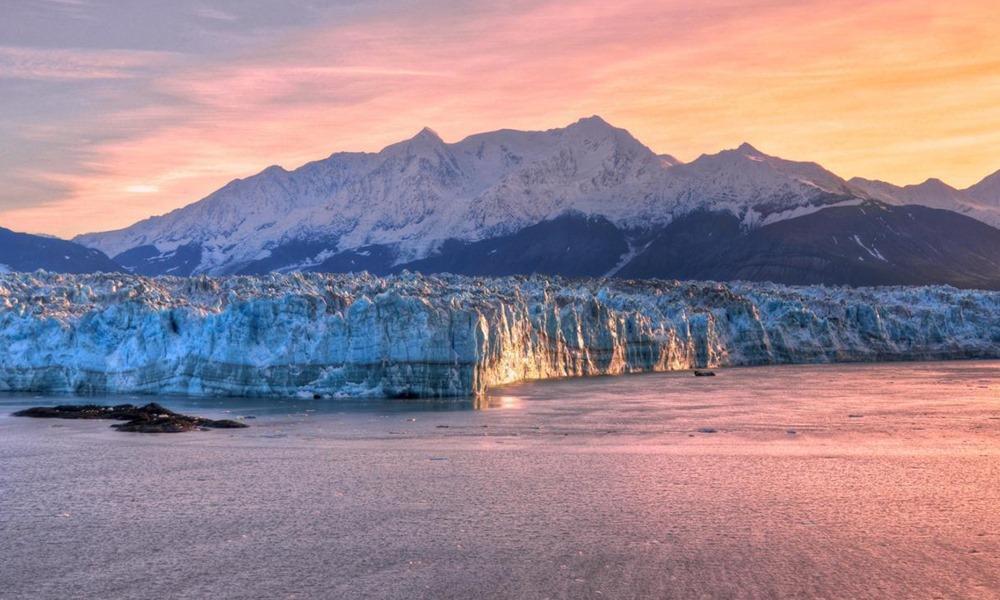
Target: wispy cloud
{"type": "Point", "coordinates": [69, 64]}
{"type": "Point", "coordinates": [215, 14]}
{"type": "Point", "coordinates": [76, 8]}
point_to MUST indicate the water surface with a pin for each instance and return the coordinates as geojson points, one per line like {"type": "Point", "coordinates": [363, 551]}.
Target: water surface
{"type": "Point", "coordinates": [845, 481]}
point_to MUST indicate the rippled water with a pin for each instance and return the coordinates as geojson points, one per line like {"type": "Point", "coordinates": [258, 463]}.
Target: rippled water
{"type": "Point", "coordinates": [849, 481]}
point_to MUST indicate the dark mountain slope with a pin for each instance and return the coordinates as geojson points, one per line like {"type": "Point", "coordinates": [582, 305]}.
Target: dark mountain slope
{"type": "Point", "coordinates": [147, 260]}
{"type": "Point", "coordinates": [572, 245]}
{"type": "Point", "coordinates": [26, 252]}
{"type": "Point", "coordinates": [870, 244]}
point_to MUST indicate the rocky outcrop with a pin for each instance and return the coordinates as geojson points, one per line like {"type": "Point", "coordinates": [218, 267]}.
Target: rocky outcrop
{"type": "Point", "coordinates": [416, 336]}
{"type": "Point", "coordinates": [151, 418]}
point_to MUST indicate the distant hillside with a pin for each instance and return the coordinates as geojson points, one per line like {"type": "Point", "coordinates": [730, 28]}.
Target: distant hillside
{"type": "Point", "coordinates": [26, 252]}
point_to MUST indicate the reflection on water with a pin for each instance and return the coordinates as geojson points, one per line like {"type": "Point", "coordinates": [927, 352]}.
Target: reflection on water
{"type": "Point", "coordinates": [260, 407]}
{"type": "Point", "coordinates": [498, 401]}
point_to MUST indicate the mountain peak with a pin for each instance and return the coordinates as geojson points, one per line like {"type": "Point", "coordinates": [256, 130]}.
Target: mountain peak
{"type": "Point", "coordinates": [935, 185]}
{"type": "Point", "coordinates": [747, 149]}
{"type": "Point", "coordinates": [987, 191]}
{"type": "Point", "coordinates": [593, 120]}
{"type": "Point", "coordinates": [596, 129]}
{"type": "Point", "coordinates": [992, 178]}
{"type": "Point", "coordinates": [731, 156]}
{"type": "Point", "coordinates": [592, 125]}
{"type": "Point", "coordinates": [428, 134]}
{"type": "Point", "coordinates": [425, 138]}
{"type": "Point", "coordinates": [274, 170]}
{"type": "Point", "coordinates": [990, 181]}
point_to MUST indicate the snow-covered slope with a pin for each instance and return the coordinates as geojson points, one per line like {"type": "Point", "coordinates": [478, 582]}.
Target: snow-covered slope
{"type": "Point", "coordinates": [757, 187]}
{"type": "Point", "coordinates": [974, 202]}
{"type": "Point", "coordinates": [377, 211]}
{"type": "Point", "coordinates": [413, 195]}
{"type": "Point", "coordinates": [328, 335]}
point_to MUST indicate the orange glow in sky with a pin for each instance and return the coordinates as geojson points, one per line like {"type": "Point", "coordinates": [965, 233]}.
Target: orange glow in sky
{"type": "Point", "coordinates": [895, 90]}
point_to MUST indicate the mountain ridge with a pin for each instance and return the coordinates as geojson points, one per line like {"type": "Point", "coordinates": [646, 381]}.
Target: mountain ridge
{"type": "Point", "coordinates": [418, 199]}
{"type": "Point", "coordinates": [934, 193]}
{"type": "Point", "coordinates": [29, 252]}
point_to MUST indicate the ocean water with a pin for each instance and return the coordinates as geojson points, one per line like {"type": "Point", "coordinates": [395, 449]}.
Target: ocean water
{"type": "Point", "coordinates": [837, 481]}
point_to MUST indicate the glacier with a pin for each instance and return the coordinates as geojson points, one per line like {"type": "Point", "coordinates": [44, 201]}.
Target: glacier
{"type": "Point", "coordinates": [410, 335]}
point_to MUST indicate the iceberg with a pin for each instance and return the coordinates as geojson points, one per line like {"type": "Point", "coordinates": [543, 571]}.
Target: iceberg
{"type": "Point", "coordinates": [358, 335]}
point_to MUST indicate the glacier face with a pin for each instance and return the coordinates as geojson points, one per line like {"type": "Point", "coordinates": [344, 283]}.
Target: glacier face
{"type": "Point", "coordinates": [417, 336]}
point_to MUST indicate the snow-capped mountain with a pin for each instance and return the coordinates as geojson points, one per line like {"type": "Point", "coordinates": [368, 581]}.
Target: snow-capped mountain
{"type": "Point", "coordinates": [587, 199]}
{"type": "Point", "coordinates": [416, 194]}
{"type": "Point", "coordinates": [756, 187]}
{"type": "Point", "coordinates": [981, 201]}
{"type": "Point", "coordinates": [413, 194]}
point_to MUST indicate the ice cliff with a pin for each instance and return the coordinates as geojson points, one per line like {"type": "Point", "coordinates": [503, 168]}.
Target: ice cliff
{"type": "Point", "coordinates": [416, 336]}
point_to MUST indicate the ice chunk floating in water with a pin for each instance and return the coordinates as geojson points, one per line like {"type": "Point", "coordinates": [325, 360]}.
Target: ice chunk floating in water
{"type": "Point", "coordinates": [415, 336]}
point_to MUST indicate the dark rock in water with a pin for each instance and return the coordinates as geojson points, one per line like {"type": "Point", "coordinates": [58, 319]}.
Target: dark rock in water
{"type": "Point", "coordinates": [707, 430]}
{"type": "Point", "coordinates": [151, 418]}
{"type": "Point", "coordinates": [704, 374]}
{"type": "Point", "coordinates": [175, 424]}
{"type": "Point", "coordinates": [156, 424]}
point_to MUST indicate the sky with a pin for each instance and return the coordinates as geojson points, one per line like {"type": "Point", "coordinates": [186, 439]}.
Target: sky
{"type": "Point", "coordinates": [115, 110]}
